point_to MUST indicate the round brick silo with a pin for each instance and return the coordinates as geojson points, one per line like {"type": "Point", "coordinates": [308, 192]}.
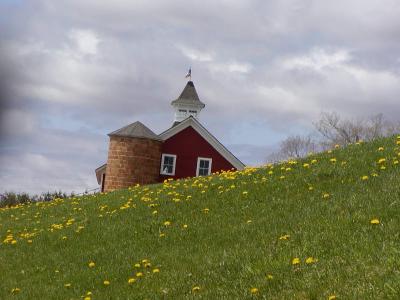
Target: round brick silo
{"type": "Point", "coordinates": [133, 157]}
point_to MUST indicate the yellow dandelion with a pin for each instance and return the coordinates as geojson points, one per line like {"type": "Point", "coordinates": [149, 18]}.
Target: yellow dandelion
{"type": "Point", "coordinates": [332, 297]}
{"type": "Point", "coordinates": [296, 261]}
{"type": "Point", "coordinates": [310, 260]}
{"type": "Point", "coordinates": [196, 289]}
{"type": "Point", "coordinates": [249, 221]}
{"type": "Point", "coordinates": [137, 265]}
{"type": "Point", "coordinates": [305, 165]}
{"type": "Point", "coordinates": [284, 237]}
{"type": "Point", "coordinates": [67, 285]}
{"type": "Point", "coordinates": [185, 226]}
{"type": "Point", "coordinates": [131, 280]}
{"type": "Point", "coordinates": [375, 221]}
{"type": "Point", "coordinates": [381, 149]}
{"type": "Point", "coordinates": [333, 160]}
{"type": "Point", "coordinates": [87, 298]}
{"type": "Point", "coordinates": [167, 223]}
{"type": "Point", "coordinates": [156, 270]}
{"type": "Point", "coordinates": [139, 274]}
{"type": "Point", "coordinates": [270, 277]}
{"type": "Point", "coordinates": [91, 264]}
{"type": "Point", "coordinates": [365, 177]}
{"type": "Point", "coordinates": [326, 195]}
{"type": "Point", "coordinates": [314, 161]}
{"type": "Point", "coordinates": [254, 290]}
{"type": "Point", "coordinates": [106, 282]}
{"type": "Point", "coordinates": [206, 210]}
{"type": "Point", "coordinates": [15, 290]}
{"type": "Point", "coordinates": [381, 160]}
{"type": "Point", "coordinates": [245, 193]}
{"type": "Point", "coordinates": [337, 146]}
{"type": "Point", "coordinates": [162, 234]}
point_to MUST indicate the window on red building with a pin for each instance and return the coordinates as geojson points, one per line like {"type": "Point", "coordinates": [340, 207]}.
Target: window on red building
{"type": "Point", "coordinates": [203, 166]}
{"type": "Point", "coordinates": [168, 163]}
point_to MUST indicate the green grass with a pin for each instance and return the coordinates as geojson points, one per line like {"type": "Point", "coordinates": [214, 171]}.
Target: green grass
{"type": "Point", "coordinates": [231, 243]}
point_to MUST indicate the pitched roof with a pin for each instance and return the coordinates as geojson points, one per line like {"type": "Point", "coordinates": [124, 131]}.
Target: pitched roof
{"type": "Point", "coordinates": [137, 130]}
{"type": "Point", "coordinates": [195, 124]}
{"type": "Point", "coordinates": [99, 171]}
{"type": "Point", "coordinates": [189, 96]}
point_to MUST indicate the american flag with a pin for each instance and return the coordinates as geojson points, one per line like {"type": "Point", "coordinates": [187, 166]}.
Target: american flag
{"type": "Point", "coordinates": [189, 74]}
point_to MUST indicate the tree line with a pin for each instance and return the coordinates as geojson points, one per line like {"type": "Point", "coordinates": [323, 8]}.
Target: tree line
{"type": "Point", "coordinates": [331, 129]}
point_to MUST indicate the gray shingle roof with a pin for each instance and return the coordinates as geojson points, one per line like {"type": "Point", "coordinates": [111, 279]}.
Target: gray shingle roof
{"type": "Point", "coordinates": [189, 96]}
{"type": "Point", "coordinates": [137, 130]}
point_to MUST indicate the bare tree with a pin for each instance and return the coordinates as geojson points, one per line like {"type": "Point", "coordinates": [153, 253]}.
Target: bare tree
{"type": "Point", "coordinates": [297, 146]}
{"type": "Point", "coordinates": [293, 147]}
{"type": "Point", "coordinates": [335, 130]}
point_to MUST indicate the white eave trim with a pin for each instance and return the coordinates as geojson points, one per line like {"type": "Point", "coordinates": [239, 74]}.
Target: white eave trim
{"type": "Point", "coordinates": [190, 121]}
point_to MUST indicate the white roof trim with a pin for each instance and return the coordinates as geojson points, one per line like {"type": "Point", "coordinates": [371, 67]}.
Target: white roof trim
{"type": "Point", "coordinates": [190, 121]}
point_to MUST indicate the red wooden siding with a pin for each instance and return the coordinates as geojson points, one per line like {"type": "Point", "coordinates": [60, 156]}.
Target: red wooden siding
{"type": "Point", "coordinates": [188, 145]}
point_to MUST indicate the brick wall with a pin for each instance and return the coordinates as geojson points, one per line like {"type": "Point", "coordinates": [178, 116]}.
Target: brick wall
{"type": "Point", "coordinates": [131, 161]}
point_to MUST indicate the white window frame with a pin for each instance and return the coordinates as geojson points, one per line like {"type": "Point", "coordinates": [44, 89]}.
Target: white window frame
{"type": "Point", "coordinates": [198, 165]}
{"type": "Point", "coordinates": [162, 164]}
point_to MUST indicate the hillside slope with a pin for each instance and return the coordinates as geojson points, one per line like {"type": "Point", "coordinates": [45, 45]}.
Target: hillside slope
{"type": "Point", "coordinates": [318, 228]}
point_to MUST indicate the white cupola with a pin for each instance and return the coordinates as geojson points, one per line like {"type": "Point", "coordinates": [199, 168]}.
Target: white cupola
{"type": "Point", "coordinates": [188, 104]}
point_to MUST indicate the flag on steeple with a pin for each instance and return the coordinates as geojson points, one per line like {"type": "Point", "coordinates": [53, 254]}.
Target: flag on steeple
{"type": "Point", "coordinates": [189, 74]}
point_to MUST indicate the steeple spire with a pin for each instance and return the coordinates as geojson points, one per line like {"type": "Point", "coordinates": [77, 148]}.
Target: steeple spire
{"type": "Point", "coordinates": [187, 104]}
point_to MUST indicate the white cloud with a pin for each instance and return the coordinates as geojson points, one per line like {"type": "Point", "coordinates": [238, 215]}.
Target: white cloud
{"type": "Point", "coordinates": [86, 40]}
{"type": "Point", "coordinates": [195, 54]}
{"type": "Point", "coordinates": [318, 59]}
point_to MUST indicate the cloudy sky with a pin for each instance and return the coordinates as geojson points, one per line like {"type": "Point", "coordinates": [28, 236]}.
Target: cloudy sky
{"type": "Point", "coordinates": [73, 71]}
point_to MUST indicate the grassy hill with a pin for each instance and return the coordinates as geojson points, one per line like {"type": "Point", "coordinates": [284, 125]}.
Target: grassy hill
{"type": "Point", "coordinates": [323, 227]}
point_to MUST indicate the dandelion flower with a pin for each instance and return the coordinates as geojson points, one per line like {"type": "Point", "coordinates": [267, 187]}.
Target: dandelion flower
{"type": "Point", "coordinates": [365, 177]}
{"type": "Point", "coordinates": [67, 285]}
{"type": "Point", "coordinates": [284, 237]}
{"type": "Point", "coordinates": [131, 280]}
{"type": "Point", "coordinates": [185, 226]}
{"type": "Point", "coordinates": [332, 297]}
{"type": "Point", "coordinates": [254, 290]}
{"type": "Point", "coordinates": [333, 160]}
{"type": "Point", "coordinates": [381, 149]}
{"type": "Point", "coordinates": [167, 223]}
{"type": "Point", "coordinates": [106, 282]}
{"type": "Point", "coordinates": [270, 277]}
{"type": "Point", "coordinates": [15, 290]}
{"type": "Point", "coordinates": [156, 270]}
{"type": "Point", "coordinates": [296, 261]}
{"type": "Point", "coordinates": [326, 195]}
{"type": "Point", "coordinates": [375, 221]}
{"type": "Point", "coordinates": [195, 289]}
{"type": "Point", "coordinates": [310, 260]}
{"type": "Point", "coordinates": [139, 274]}
{"type": "Point", "coordinates": [91, 264]}
{"type": "Point", "coordinates": [137, 265]}
{"type": "Point", "coordinates": [206, 210]}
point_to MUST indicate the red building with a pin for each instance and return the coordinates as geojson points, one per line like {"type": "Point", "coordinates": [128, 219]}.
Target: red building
{"type": "Point", "coordinates": [187, 149]}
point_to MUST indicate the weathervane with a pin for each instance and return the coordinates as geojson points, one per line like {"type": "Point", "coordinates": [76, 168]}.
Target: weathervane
{"type": "Point", "coordinates": [189, 74]}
